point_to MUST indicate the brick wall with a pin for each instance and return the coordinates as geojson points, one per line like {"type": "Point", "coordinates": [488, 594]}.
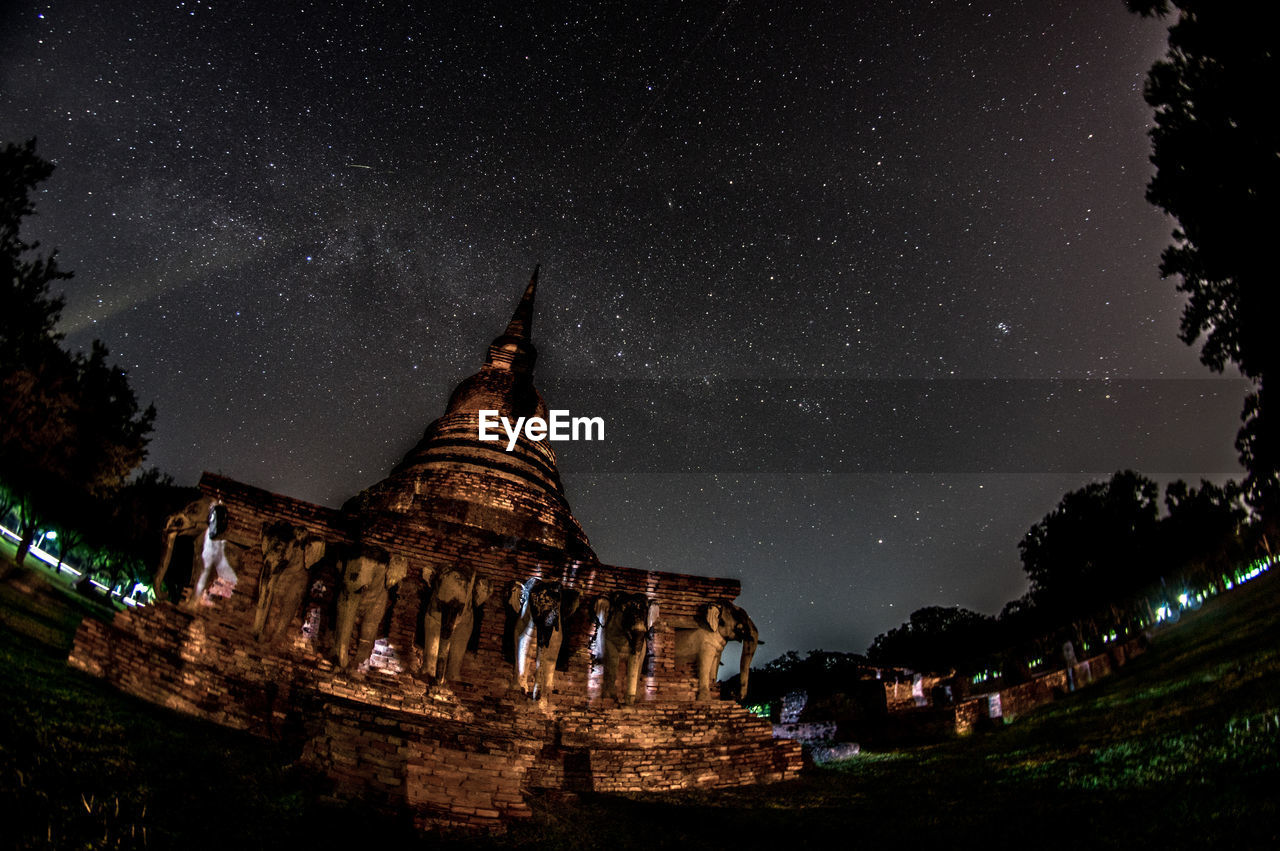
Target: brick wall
{"type": "Point", "coordinates": [1017, 700]}
{"type": "Point", "coordinates": [909, 722]}
{"type": "Point", "coordinates": [468, 769]}
{"type": "Point", "coordinates": [498, 558]}
{"type": "Point", "coordinates": [455, 756]}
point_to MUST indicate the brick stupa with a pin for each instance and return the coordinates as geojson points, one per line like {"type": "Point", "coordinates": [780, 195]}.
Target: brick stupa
{"type": "Point", "coordinates": [465, 753]}
{"type": "Point", "coordinates": [454, 477]}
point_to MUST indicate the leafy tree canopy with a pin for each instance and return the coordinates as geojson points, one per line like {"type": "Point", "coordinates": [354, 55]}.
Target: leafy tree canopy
{"type": "Point", "coordinates": [29, 313]}
{"type": "Point", "coordinates": [1216, 149]}
{"type": "Point", "coordinates": [937, 639]}
{"type": "Point", "coordinates": [1096, 548]}
{"type": "Point", "coordinates": [819, 672]}
{"type": "Point", "coordinates": [1201, 533]}
{"type": "Point", "coordinates": [71, 431]}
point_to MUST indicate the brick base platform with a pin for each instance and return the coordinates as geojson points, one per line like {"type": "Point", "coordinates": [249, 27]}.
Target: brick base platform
{"type": "Point", "coordinates": [472, 770]}
{"type": "Point", "coordinates": [460, 757]}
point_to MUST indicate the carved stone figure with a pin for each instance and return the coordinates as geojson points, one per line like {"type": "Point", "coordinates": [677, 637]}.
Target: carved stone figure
{"type": "Point", "coordinates": [206, 521]}
{"type": "Point", "coordinates": [192, 522]}
{"type": "Point", "coordinates": [288, 554]}
{"type": "Point", "coordinates": [543, 608]}
{"type": "Point", "coordinates": [449, 617]}
{"type": "Point", "coordinates": [718, 623]}
{"type": "Point", "coordinates": [625, 619]}
{"type": "Point", "coordinates": [368, 574]}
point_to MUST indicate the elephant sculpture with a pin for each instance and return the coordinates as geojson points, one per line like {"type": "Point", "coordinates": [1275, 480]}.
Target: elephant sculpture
{"type": "Point", "coordinates": [288, 554]}
{"type": "Point", "coordinates": [718, 623]}
{"type": "Point", "coordinates": [626, 620]}
{"type": "Point", "coordinates": [448, 619]}
{"type": "Point", "coordinates": [542, 610]}
{"type": "Point", "coordinates": [367, 576]}
{"type": "Point", "coordinates": [206, 520]}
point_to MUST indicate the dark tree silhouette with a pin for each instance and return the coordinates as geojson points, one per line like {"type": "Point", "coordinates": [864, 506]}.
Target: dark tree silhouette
{"type": "Point", "coordinates": [836, 685]}
{"type": "Point", "coordinates": [1216, 148]}
{"type": "Point", "coordinates": [126, 540]}
{"type": "Point", "coordinates": [1095, 551]}
{"type": "Point", "coordinates": [28, 311]}
{"type": "Point", "coordinates": [71, 432]}
{"type": "Point", "coordinates": [1201, 533]}
{"type": "Point", "coordinates": [937, 639]}
{"type": "Point", "coordinates": [1021, 633]}
{"type": "Point", "coordinates": [1258, 443]}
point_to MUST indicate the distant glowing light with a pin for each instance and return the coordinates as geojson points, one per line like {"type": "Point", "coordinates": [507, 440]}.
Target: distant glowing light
{"type": "Point", "coordinates": [145, 592]}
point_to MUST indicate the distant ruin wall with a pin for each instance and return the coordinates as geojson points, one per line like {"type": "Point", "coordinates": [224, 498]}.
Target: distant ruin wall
{"type": "Point", "coordinates": [914, 716]}
{"type": "Point", "coordinates": [1007, 704]}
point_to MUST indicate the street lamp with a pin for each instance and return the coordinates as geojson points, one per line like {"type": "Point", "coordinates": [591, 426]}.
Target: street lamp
{"type": "Point", "coordinates": [51, 535]}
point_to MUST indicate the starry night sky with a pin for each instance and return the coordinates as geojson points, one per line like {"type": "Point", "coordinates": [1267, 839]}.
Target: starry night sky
{"type": "Point", "coordinates": [860, 288]}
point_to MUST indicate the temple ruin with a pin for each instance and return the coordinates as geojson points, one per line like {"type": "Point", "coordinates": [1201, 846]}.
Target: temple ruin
{"type": "Point", "coordinates": [438, 645]}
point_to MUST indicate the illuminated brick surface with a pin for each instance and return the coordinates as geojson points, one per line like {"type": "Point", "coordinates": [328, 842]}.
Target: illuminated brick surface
{"type": "Point", "coordinates": [459, 755]}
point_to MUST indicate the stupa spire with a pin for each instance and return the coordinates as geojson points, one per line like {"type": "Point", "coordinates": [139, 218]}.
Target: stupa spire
{"type": "Point", "coordinates": [521, 324]}
{"type": "Point", "coordinates": [514, 349]}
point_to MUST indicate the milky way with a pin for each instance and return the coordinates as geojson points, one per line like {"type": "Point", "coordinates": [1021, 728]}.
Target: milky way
{"type": "Point", "coordinates": [860, 288]}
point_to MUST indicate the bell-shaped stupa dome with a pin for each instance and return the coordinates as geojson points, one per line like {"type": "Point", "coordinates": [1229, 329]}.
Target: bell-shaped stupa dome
{"type": "Point", "coordinates": [453, 476]}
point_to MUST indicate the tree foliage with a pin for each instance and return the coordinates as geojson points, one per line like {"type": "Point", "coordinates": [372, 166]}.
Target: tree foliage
{"type": "Point", "coordinates": [123, 542]}
{"type": "Point", "coordinates": [28, 311]}
{"type": "Point", "coordinates": [1258, 443]}
{"type": "Point", "coordinates": [71, 431]}
{"type": "Point", "coordinates": [1094, 563]}
{"type": "Point", "coordinates": [1216, 149]}
{"type": "Point", "coordinates": [820, 672]}
{"type": "Point", "coordinates": [1105, 547]}
{"type": "Point", "coordinates": [937, 639]}
{"type": "Point", "coordinates": [1200, 534]}
{"type": "Point", "coordinates": [1095, 549]}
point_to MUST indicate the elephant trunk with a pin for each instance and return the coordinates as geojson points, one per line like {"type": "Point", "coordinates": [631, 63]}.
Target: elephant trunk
{"type": "Point", "coordinates": [634, 664]}
{"type": "Point", "coordinates": [545, 627]}
{"type": "Point", "coordinates": [744, 667]}
{"type": "Point", "coordinates": [636, 640]}
{"type": "Point", "coordinates": [450, 611]}
{"type": "Point", "coordinates": [431, 630]}
{"type": "Point", "coordinates": [344, 627]}
{"type": "Point", "coordinates": [166, 555]}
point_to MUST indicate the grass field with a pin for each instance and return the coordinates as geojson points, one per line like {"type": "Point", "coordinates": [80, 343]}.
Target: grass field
{"type": "Point", "coordinates": [1180, 749]}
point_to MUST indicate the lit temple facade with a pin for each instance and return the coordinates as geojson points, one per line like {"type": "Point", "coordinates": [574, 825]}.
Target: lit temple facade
{"type": "Point", "coordinates": [450, 621]}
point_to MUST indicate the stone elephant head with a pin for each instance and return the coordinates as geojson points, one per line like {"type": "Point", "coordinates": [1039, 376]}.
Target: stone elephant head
{"type": "Point", "coordinates": [366, 578]}
{"type": "Point", "coordinates": [718, 623]}
{"type": "Point", "coordinates": [626, 619]}
{"type": "Point", "coordinates": [289, 552]}
{"type": "Point", "coordinates": [192, 521]}
{"type": "Point", "coordinates": [454, 595]}
{"type": "Point", "coordinates": [206, 521]}
{"type": "Point", "coordinates": [542, 608]}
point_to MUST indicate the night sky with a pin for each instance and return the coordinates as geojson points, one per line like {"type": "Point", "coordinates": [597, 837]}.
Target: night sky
{"type": "Point", "coordinates": [860, 288]}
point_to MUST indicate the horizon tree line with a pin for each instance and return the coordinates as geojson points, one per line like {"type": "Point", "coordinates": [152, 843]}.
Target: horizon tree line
{"type": "Point", "coordinates": [72, 434]}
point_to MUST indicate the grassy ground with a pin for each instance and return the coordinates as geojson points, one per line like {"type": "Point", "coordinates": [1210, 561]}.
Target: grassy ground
{"type": "Point", "coordinates": [1180, 749]}
{"type": "Point", "coordinates": [60, 579]}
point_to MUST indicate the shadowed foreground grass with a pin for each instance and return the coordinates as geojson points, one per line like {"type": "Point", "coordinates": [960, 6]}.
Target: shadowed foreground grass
{"type": "Point", "coordinates": [1181, 749]}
